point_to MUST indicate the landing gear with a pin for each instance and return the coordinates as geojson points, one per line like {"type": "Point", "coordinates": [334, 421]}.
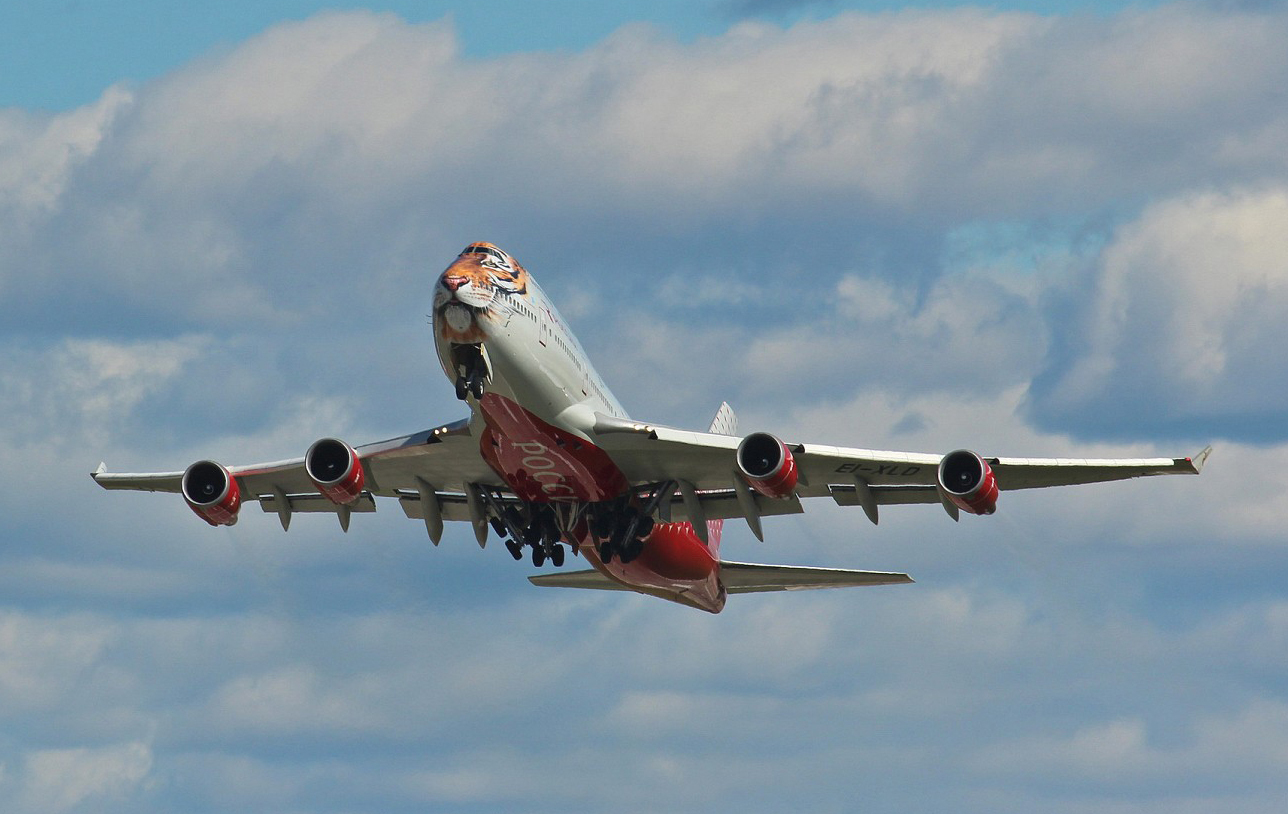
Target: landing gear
{"type": "Point", "coordinates": [618, 529]}
{"type": "Point", "coordinates": [471, 371]}
{"type": "Point", "coordinates": [621, 529]}
{"type": "Point", "coordinates": [535, 526]}
{"type": "Point", "coordinates": [624, 539]}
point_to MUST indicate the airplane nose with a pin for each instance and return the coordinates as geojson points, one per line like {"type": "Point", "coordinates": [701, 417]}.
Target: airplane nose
{"type": "Point", "coordinates": [451, 282]}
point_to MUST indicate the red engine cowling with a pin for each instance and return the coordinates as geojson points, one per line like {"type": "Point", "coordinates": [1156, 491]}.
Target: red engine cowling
{"type": "Point", "coordinates": [335, 470]}
{"type": "Point", "coordinates": [767, 464]}
{"type": "Point", "coordinates": [968, 481]}
{"type": "Point", "coordinates": [212, 492]}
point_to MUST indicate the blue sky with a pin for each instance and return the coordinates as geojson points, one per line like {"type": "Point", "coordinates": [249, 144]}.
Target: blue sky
{"type": "Point", "coordinates": [923, 228]}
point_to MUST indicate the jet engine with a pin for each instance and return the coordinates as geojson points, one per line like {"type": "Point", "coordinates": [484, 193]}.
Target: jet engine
{"type": "Point", "coordinates": [335, 470]}
{"type": "Point", "coordinates": [968, 481]}
{"type": "Point", "coordinates": [767, 464]}
{"type": "Point", "coordinates": [212, 492]}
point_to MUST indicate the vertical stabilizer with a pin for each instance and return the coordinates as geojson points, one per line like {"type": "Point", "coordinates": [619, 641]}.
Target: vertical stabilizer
{"type": "Point", "coordinates": [725, 423]}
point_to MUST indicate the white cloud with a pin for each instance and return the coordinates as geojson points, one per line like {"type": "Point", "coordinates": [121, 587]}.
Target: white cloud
{"type": "Point", "coordinates": [41, 661]}
{"type": "Point", "coordinates": [38, 153]}
{"type": "Point", "coordinates": [59, 780]}
{"type": "Point", "coordinates": [1181, 318]}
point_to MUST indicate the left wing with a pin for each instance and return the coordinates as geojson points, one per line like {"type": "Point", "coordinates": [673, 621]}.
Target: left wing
{"type": "Point", "coordinates": [709, 463]}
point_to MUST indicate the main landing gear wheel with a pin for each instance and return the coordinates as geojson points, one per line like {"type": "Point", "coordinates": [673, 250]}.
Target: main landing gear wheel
{"type": "Point", "coordinates": [515, 549]}
{"type": "Point", "coordinates": [557, 556]}
{"type": "Point", "coordinates": [461, 388]}
{"type": "Point", "coordinates": [538, 556]}
{"type": "Point", "coordinates": [631, 550]}
{"type": "Point", "coordinates": [621, 532]}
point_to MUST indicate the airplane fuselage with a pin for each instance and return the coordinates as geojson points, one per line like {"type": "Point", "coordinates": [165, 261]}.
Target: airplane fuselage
{"type": "Point", "coordinates": [535, 399]}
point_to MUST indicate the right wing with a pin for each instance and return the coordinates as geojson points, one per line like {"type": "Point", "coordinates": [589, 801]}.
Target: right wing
{"type": "Point", "coordinates": [440, 464]}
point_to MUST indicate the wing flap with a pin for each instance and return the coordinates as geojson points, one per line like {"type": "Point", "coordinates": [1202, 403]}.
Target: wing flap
{"type": "Point", "coordinates": [722, 504]}
{"type": "Point", "coordinates": [315, 503]}
{"type": "Point", "coordinates": [452, 506]}
{"type": "Point", "coordinates": [846, 495]}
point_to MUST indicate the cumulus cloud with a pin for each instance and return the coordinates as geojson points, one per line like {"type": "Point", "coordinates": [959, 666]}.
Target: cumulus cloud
{"type": "Point", "coordinates": [1176, 327]}
{"type": "Point", "coordinates": [39, 152]}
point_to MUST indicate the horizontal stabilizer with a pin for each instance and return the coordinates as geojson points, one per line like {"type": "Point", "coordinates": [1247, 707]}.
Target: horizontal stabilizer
{"type": "Point", "coordinates": [743, 578]}
{"type": "Point", "coordinates": [751, 578]}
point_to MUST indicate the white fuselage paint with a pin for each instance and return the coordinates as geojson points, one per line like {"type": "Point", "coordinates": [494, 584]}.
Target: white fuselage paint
{"type": "Point", "coordinates": [535, 360]}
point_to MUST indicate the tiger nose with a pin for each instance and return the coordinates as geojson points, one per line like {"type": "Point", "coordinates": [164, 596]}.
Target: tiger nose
{"type": "Point", "coordinates": [451, 282]}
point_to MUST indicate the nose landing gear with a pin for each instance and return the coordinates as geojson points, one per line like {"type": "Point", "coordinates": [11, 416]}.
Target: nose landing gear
{"type": "Point", "coordinates": [471, 371]}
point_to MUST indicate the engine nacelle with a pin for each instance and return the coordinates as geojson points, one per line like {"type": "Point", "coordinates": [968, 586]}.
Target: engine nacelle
{"type": "Point", "coordinates": [212, 492]}
{"type": "Point", "coordinates": [335, 470]}
{"type": "Point", "coordinates": [767, 464]}
{"type": "Point", "coordinates": [968, 481]}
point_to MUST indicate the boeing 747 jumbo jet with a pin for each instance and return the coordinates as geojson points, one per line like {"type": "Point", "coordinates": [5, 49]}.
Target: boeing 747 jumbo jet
{"type": "Point", "coordinates": [549, 461]}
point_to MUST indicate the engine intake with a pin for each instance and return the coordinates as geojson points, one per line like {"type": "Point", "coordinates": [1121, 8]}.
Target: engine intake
{"type": "Point", "coordinates": [335, 470]}
{"type": "Point", "coordinates": [212, 492]}
{"type": "Point", "coordinates": [767, 465]}
{"type": "Point", "coordinates": [968, 481]}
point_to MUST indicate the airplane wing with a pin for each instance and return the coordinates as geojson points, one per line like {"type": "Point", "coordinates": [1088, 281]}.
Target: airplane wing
{"type": "Point", "coordinates": [742, 578]}
{"type": "Point", "coordinates": [436, 475]}
{"type": "Point", "coordinates": [442, 463]}
{"type": "Point", "coordinates": [863, 477]}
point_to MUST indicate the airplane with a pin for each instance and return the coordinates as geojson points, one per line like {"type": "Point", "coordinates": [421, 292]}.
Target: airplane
{"type": "Point", "coordinates": [550, 461]}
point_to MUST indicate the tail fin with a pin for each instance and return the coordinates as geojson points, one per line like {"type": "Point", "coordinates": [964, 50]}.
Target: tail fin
{"type": "Point", "coordinates": [725, 423]}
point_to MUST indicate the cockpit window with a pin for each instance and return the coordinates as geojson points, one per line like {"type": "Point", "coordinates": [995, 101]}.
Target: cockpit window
{"type": "Point", "coordinates": [483, 250]}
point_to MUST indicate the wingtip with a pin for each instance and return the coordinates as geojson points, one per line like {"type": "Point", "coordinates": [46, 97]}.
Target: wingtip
{"type": "Point", "coordinates": [1198, 461]}
{"type": "Point", "coordinates": [102, 467]}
